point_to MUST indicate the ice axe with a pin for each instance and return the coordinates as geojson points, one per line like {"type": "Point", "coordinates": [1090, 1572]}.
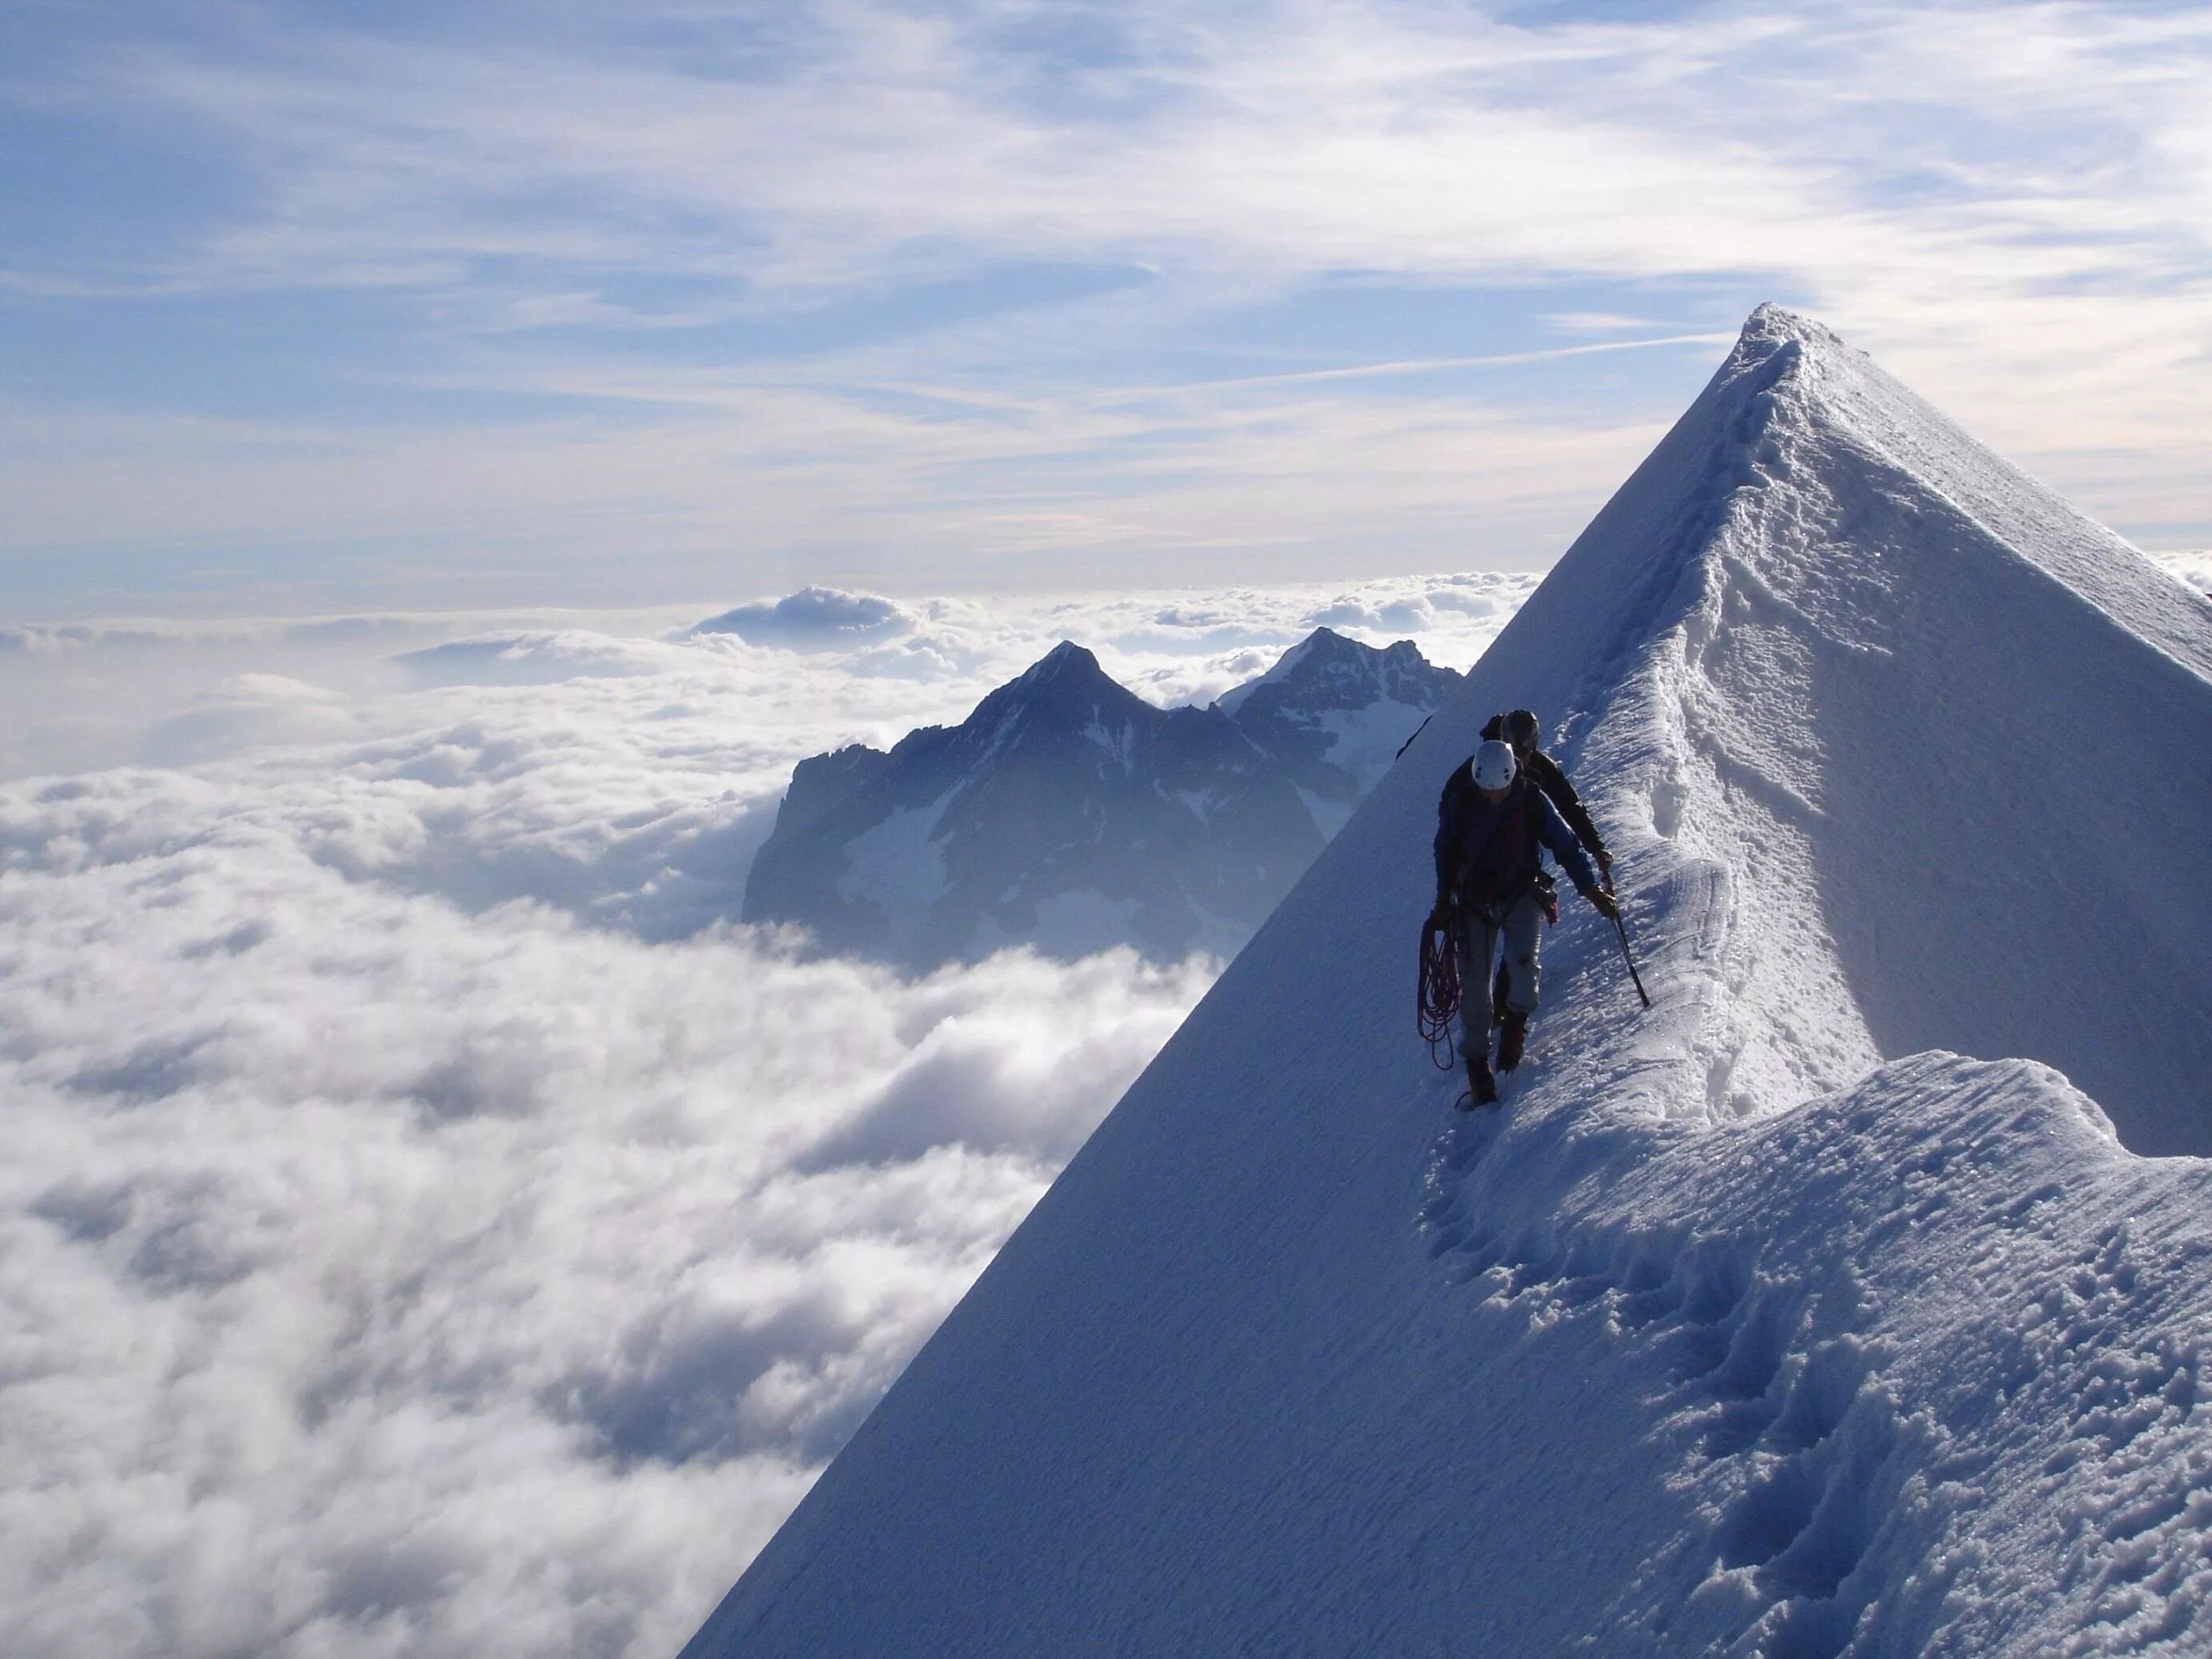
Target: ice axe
{"type": "Point", "coordinates": [1626, 956]}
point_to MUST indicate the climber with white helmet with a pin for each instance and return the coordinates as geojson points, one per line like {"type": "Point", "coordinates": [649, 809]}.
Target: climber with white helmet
{"type": "Point", "coordinates": [1522, 730]}
{"type": "Point", "coordinates": [1492, 826]}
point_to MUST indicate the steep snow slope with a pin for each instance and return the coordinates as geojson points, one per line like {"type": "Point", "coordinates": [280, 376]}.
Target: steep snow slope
{"type": "Point", "coordinates": [1767, 1321]}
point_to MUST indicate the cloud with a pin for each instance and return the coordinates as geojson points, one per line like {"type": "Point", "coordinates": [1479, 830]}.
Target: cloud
{"type": "Point", "coordinates": [430, 1226]}
{"type": "Point", "coordinates": [1156, 489]}
{"type": "Point", "coordinates": [360, 1246]}
{"type": "Point", "coordinates": [812, 617]}
{"type": "Point", "coordinates": [2192, 568]}
{"type": "Point", "coordinates": [1596, 322]}
{"type": "Point", "coordinates": [503, 703]}
{"type": "Point", "coordinates": [545, 658]}
{"type": "Point", "coordinates": [884, 140]}
{"type": "Point", "coordinates": [247, 711]}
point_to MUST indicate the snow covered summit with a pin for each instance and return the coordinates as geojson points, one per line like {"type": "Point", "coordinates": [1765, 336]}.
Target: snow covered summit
{"type": "Point", "coordinates": [1821, 1310]}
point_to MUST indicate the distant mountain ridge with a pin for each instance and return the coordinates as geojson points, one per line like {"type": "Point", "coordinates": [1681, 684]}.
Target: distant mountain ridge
{"type": "Point", "coordinates": [1068, 813]}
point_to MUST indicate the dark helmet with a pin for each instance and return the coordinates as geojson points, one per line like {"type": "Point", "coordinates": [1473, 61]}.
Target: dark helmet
{"type": "Point", "coordinates": [1520, 730]}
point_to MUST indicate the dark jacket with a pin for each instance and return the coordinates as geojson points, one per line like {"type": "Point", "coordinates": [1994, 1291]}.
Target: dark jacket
{"type": "Point", "coordinates": [1544, 772]}
{"type": "Point", "coordinates": [1490, 851]}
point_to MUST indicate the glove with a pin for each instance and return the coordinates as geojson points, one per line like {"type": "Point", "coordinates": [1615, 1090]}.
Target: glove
{"type": "Point", "coordinates": [1602, 902]}
{"type": "Point", "coordinates": [1605, 870]}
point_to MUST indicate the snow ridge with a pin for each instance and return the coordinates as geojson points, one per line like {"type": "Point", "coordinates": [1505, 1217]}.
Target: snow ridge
{"type": "Point", "coordinates": [1819, 1310]}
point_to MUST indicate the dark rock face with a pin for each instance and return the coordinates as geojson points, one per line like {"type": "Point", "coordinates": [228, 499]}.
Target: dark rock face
{"type": "Point", "coordinates": [1334, 712]}
{"type": "Point", "coordinates": [1069, 814]}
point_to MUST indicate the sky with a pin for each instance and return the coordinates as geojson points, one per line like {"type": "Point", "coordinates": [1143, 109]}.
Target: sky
{"type": "Point", "coordinates": [308, 308]}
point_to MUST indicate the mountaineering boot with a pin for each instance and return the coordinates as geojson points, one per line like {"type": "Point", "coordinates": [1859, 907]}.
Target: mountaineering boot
{"type": "Point", "coordinates": [1512, 1038]}
{"type": "Point", "coordinates": [1481, 1085]}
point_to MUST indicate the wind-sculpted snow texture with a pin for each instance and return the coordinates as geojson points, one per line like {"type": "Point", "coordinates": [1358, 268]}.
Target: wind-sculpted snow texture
{"type": "Point", "coordinates": [1764, 1322]}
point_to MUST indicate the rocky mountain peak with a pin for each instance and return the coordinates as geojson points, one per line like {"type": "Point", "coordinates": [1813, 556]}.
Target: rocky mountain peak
{"type": "Point", "coordinates": [1068, 813]}
{"type": "Point", "coordinates": [1067, 678]}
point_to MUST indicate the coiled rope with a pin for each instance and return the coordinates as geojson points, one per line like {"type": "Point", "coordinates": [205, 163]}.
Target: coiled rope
{"type": "Point", "coordinates": [1437, 999]}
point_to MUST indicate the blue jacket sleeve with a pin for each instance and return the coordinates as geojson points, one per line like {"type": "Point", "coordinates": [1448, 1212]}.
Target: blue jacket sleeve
{"type": "Point", "coordinates": [1552, 829]}
{"type": "Point", "coordinates": [1443, 837]}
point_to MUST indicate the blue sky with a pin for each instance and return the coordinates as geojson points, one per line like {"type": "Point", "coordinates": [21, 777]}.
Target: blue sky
{"type": "Point", "coordinates": [313, 307]}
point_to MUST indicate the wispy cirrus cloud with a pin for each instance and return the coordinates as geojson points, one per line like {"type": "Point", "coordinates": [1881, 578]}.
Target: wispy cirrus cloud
{"type": "Point", "coordinates": [870, 142]}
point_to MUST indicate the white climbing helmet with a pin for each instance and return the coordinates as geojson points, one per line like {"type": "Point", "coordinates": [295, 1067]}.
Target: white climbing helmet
{"type": "Point", "coordinates": [1493, 765]}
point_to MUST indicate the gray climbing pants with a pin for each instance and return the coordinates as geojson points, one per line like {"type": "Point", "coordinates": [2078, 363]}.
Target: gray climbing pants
{"type": "Point", "coordinates": [1518, 932]}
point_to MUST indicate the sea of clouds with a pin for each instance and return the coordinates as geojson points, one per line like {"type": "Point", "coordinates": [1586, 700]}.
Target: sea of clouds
{"type": "Point", "coordinates": [431, 1223]}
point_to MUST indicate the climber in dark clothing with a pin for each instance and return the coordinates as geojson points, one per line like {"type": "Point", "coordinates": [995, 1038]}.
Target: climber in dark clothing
{"type": "Point", "coordinates": [1519, 729]}
{"type": "Point", "coordinates": [1492, 826]}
